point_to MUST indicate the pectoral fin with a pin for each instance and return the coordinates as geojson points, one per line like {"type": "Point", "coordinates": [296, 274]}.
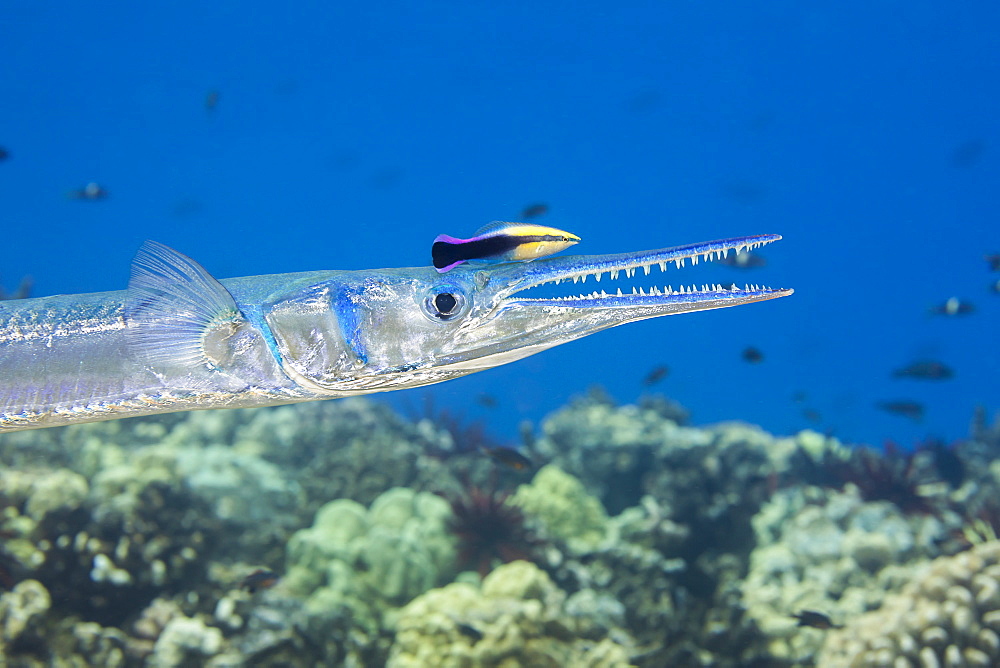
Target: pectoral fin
{"type": "Point", "coordinates": [178, 314]}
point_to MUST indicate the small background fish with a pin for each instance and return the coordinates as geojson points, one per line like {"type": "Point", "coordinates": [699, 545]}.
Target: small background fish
{"type": "Point", "coordinates": [954, 306]}
{"type": "Point", "coordinates": [924, 370]}
{"type": "Point", "coordinates": [903, 407]}
{"type": "Point", "coordinates": [534, 211]}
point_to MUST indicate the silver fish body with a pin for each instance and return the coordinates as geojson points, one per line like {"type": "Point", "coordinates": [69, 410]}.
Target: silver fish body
{"type": "Point", "coordinates": [178, 339]}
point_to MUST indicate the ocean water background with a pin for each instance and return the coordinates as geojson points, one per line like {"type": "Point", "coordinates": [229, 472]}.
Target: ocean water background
{"type": "Point", "coordinates": [348, 137]}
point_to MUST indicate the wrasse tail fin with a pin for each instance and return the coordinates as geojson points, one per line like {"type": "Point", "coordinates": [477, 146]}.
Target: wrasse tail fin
{"type": "Point", "coordinates": [446, 252]}
{"type": "Point", "coordinates": [178, 314]}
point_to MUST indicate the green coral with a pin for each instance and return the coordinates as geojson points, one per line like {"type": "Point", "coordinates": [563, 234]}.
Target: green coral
{"type": "Point", "coordinates": [517, 618]}
{"type": "Point", "coordinates": [563, 505]}
{"type": "Point", "coordinates": [369, 561]}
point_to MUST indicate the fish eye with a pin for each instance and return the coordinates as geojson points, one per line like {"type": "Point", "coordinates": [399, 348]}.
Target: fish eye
{"type": "Point", "coordinates": [444, 302]}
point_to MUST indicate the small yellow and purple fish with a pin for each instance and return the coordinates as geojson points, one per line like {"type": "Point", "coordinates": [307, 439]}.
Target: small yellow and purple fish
{"type": "Point", "coordinates": [500, 242]}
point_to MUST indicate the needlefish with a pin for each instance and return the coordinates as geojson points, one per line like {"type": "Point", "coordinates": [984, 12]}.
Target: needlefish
{"type": "Point", "coordinates": [178, 339]}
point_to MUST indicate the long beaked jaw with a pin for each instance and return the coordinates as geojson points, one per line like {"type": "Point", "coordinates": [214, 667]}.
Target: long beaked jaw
{"type": "Point", "coordinates": [508, 324]}
{"type": "Point", "coordinates": [663, 299]}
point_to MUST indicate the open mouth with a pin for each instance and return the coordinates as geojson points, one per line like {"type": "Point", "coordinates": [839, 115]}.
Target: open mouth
{"type": "Point", "coordinates": [632, 290]}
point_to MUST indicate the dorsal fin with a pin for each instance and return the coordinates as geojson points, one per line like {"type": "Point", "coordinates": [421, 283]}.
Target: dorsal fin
{"type": "Point", "coordinates": [176, 310]}
{"type": "Point", "coordinates": [495, 226]}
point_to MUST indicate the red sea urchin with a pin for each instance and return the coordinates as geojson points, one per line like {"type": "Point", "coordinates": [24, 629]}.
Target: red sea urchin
{"type": "Point", "coordinates": [489, 528]}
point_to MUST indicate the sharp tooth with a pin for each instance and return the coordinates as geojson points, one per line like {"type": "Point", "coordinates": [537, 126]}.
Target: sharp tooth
{"type": "Point", "coordinates": [677, 263]}
{"type": "Point", "coordinates": [597, 277]}
{"type": "Point", "coordinates": [614, 274]}
{"type": "Point", "coordinates": [746, 287]}
{"type": "Point", "coordinates": [630, 272]}
{"type": "Point", "coordinates": [633, 290]}
{"type": "Point", "coordinates": [663, 266]}
{"type": "Point", "coordinates": [583, 279]}
{"type": "Point", "coordinates": [575, 279]}
{"type": "Point", "coordinates": [656, 291]}
{"type": "Point", "coordinates": [603, 294]}
{"type": "Point", "coordinates": [646, 269]}
{"type": "Point", "coordinates": [619, 292]}
{"type": "Point", "coordinates": [725, 253]}
{"type": "Point", "coordinates": [694, 259]}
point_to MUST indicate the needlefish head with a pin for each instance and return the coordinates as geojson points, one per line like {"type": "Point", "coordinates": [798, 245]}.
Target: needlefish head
{"type": "Point", "coordinates": [370, 331]}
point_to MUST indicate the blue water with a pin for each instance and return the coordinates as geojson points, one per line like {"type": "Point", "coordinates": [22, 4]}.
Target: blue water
{"type": "Point", "coordinates": [350, 136]}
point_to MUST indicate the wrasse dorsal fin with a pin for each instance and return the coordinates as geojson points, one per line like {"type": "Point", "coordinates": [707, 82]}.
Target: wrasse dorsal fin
{"type": "Point", "coordinates": [495, 227]}
{"type": "Point", "coordinates": [178, 314]}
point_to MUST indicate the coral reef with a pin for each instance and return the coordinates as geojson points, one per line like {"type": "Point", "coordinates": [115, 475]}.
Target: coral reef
{"type": "Point", "coordinates": [395, 550]}
{"type": "Point", "coordinates": [350, 449]}
{"type": "Point", "coordinates": [22, 611]}
{"type": "Point", "coordinates": [650, 542]}
{"type": "Point", "coordinates": [828, 550]}
{"type": "Point", "coordinates": [363, 563]}
{"type": "Point", "coordinates": [947, 614]}
{"type": "Point", "coordinates": [715, 477]}
{"type": "Point", "coordinates": [518, 617]}
{"type": "Point", "coordinates": [489, 529]}
{"type": "Point", "coordinates": [563, 506]}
